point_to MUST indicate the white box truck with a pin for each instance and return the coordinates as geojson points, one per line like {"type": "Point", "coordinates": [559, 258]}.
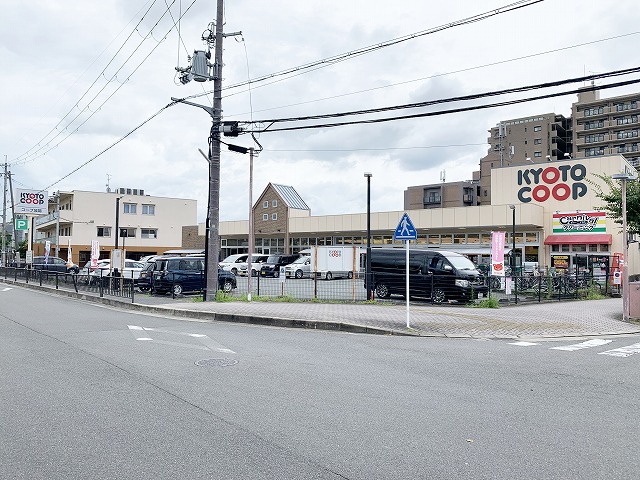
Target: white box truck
{"type": "Point", "coordinates": [341, 261]}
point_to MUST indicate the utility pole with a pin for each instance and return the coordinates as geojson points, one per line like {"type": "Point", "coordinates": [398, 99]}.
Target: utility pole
{"type": "Point", "coordinates": [4, 216]}
{"type": "Point", "coordinates": [58, 224]}
{"type": "Point", "coordinates": [199, 71]}
{"type": "Point", "coordinates": [13, 212]}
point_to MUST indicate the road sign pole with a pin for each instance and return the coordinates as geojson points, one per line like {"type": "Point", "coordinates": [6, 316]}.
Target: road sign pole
{"type": "Point", "coordinates": [407, 280]}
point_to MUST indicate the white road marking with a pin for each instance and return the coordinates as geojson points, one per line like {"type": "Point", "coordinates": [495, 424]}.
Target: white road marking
{"type": "Point", "coordinates": [205, 343]}
{"type": "Point", "coordinates": [524, 344]}
{"type": "Point", "coordinates": [623, 351]}
{"type": "Point", "coordinates": [6, 289]}
{"type": "Point", "coordinates": [596, 342]}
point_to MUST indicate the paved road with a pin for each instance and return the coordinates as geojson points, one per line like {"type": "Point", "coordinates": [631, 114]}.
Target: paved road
{"type": "Point", "coordinates": [90, 391]}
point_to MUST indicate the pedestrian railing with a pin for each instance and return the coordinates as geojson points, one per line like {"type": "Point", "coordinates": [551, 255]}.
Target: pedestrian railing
{"type": "Point", "coordinates": [435, 289]}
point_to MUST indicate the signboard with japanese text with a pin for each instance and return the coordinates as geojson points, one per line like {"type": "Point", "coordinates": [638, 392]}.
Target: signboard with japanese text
{"type": "Point", "coordinates": [497, 253]}
{"type": "Point", "coordinates": [580, 222]}
{"type": "Point", "coordinates": [31, 202]}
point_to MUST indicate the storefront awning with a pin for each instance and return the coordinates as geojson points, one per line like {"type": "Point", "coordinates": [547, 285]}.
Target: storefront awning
{"type": "Point", "coordinates": [580, 238]}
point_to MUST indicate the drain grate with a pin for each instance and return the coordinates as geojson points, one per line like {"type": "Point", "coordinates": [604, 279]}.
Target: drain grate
{"type": "Point", "coordinates": [216, 362]}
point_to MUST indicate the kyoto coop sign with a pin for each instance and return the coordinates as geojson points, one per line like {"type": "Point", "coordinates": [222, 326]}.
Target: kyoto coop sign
{"type": "Point", "coordinates": [560, 183]}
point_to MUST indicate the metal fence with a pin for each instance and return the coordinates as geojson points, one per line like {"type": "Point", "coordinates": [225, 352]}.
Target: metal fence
{"type": "Point", "coordinates": [514, 289]}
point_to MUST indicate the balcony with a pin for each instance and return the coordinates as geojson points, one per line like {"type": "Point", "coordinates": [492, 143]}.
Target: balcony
{"type": "Point", "coordinates": [432, 199]}
{"type": "Point", "coordinates": [46, 219]}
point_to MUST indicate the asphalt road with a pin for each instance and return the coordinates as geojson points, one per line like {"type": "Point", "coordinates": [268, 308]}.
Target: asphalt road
{"type": "Point", "coordinates": [93, 392]}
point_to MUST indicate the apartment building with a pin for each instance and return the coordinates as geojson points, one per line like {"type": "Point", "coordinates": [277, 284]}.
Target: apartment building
{"type": "Point", "coordinates": [523, 141]}
{"type": "Point", "coordinates": [147, 224]}
{"type": "Point", "coordinates": [442, 195]}
{"type": "Point", "coordinates": [606, 126]}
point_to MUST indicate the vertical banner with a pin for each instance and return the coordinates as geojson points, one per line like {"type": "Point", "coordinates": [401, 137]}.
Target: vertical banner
{"type": "Point", "coordinates": [69, 256]}
{"type": "Point", "coordinates": [497, 253]}
{"type": "Point", "coordinates": [47, 250]}
{"type": "Point", "coordinates": [95, 254]}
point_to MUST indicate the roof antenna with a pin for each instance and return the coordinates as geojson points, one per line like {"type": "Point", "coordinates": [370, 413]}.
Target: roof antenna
{"type": "Point", "coordinates": [108, 178]}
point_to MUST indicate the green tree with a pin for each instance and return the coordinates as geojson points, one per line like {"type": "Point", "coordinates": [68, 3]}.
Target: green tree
{"type": "Point", "coordinates": [612, 199]}
{"type": "Point", "coordinates": [22, 248]}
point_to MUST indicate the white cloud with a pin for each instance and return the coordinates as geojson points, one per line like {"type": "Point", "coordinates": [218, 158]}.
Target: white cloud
{"type": "Point", "coordinates": [52, 52]}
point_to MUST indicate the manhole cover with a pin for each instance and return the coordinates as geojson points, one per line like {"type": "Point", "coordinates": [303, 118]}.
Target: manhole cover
{"type": "Point", "coordinates": [216, 362]}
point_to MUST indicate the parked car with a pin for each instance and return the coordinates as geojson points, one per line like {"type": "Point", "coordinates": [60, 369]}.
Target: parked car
{"type": "Point", "coordinates": [232, 261]}
{"type": "Point", "coordinates": [436, 274]}
{"type": "Point", "coordinates": [300, 268]}
{"type": "Point", "coordinates": [186, 274]}
{"type": "Point", "coordinates": [131, 270]}
{"type": "Point", "coordinates": [271, 268]}
{"type": "Point", "coordinates": [257, 259]}
{"type": "Point", "coordinates": [145, 280]}
{"type": "Point", "coordinates": [53, 264]}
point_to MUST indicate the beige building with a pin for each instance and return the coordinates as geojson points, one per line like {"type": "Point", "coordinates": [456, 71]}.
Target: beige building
{"type": "Point", "coordinates": [546, 198]}
{"type": "Point", "coordinates": [441, 195]}
{"type": "Point", "coordinates": [152, 224]}
{"type": "Point", "coordinates": [606, 126]}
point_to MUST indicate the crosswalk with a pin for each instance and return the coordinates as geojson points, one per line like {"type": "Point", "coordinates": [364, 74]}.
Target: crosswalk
{"type": "Point", "coordinates": [597, 344]}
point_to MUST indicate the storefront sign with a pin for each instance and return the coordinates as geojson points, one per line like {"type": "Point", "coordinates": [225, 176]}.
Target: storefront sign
{"type": "Point", "coordinates": [560, 261]}
{"type": "Point", "coordinates": [579, 222]}
{"type": "Point", "coordinates": [559, 183]}
{"type": "Point", "coordinates": [32, 202]}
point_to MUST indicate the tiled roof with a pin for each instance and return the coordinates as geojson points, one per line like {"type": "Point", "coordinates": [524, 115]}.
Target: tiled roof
{"type": "Point", "coordinates": [290, 196]}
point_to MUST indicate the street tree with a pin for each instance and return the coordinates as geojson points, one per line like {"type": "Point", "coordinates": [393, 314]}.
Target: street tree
{"type": "Point", "coordinates": [611, 195]}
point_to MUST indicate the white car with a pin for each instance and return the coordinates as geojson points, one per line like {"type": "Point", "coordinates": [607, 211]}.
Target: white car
{"type": "Point", "coordinates": [231, 263]}
{"type": "Point", "coordinates": [131, 270]}
{"type": "Point", "coordinates": [257, 259]}
{"type": "Point", "coordinates": [299, 269]}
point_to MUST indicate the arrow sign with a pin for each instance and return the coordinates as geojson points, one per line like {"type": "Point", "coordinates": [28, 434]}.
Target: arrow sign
{"type": "Point", "coordinates": [405, 229]}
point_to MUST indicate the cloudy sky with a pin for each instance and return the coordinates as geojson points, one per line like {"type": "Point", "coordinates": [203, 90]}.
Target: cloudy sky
{"type": "Point", "coordinates": [80, 75]}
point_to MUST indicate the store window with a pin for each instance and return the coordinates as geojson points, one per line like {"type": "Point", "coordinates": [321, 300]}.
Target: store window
{"type": "Point", "coordinates": [579, 248]}
{"type": "Point", "coordinates": [458, 238]}
{"type": "Point", "coordinates": [593, 247]}
{"type": "Point", "coordinates": [473, 238]}
{"type": "Point", "coordinates": [565, 248]}
{"type": "Point", "coordinates": [604, 247]}
{"type": "Point", "coordinates": [446, 239]}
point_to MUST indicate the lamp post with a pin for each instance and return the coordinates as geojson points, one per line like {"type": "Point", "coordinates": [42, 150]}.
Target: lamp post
{"type": "Point", "coordinates": [624, 177]}
{"type": "Point", "coordinates": [368, 266]}
{"type": "Point", "coordinates": [513, 250]}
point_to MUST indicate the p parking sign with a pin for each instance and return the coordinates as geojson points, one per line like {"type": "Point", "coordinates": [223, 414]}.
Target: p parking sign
{"type": "Point", "coordinates": [21, 224]}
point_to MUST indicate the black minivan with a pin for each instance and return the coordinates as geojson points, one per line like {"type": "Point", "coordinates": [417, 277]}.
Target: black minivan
{"type": "Point", "coordinates": [186, 274]}
{"type": "Point", "coordinates": [271, 267]}
{"type": "Point", "coordinates": [436, 274]}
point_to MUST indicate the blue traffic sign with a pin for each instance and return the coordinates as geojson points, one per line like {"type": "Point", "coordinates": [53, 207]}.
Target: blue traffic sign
{"type": "Point", "coordinates": [405, 229]}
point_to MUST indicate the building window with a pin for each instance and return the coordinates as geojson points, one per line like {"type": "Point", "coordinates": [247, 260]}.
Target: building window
{"type": "Point", "coordinates": [537, 141]}
{"type": "Point", "coordinates": [265, 204]}
{"type": "Point", "coordinates": [594, 138]}
{"type": "Point", "coordinates": [594, 152]}
{"type": "Point", "coordinates": [148, 233]}
{"type": "Point", "coordinates": [274, 216]}
{"type": "Point", "coordinates": [537, 154]}
{"type": "Point", "coordinates": [537, 128]}
{"type": "Point", "coordinates": [593, 111]}
{"type": "Point", "coordinates": [594, 124]}
{"type": "Point", "coordinates": [274, 203]}
{"type": "Point", "coordinates": [626, 134]}
{"type": "Point", "coordinates": [129, 208]}
{"type": "Point", "coordinates": [127, 232]}
{"type": "Point", "coordinates": [104, 232]}
{"type": "Point", "coordinates": [265, 216]}
{"type": "Point", "coordinates": [148, 209]}
{"type": "Point", "coordinates": [626, 120]}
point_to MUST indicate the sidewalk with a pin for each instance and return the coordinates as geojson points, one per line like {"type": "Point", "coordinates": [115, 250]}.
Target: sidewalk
{"type": "Point", "coordinates": [539, 320]}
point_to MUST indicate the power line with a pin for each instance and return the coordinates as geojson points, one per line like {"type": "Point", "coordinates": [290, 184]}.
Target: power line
{"type": "Point", "coordinates": [445, 112]}
{"type": "Point", "coordinates": [364, 50]}
{"type": "Point", "coordinates": [35, 154]}
{"type": "Point", "coordinates": [437, 75]}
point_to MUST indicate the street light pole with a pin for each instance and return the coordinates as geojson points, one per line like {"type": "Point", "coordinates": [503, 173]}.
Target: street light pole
{"type": "Point", "coordinates": [368, 266]}
{"type": "Point", "coordinates": [624, 177]}
{"type": "Point", "coordinates": [513, 251]}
